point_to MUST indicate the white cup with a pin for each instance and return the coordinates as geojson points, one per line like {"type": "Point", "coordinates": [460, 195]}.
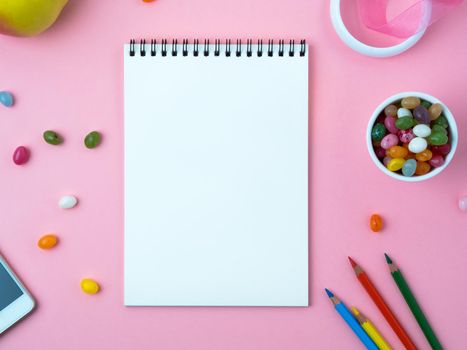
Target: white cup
{"type": "Point", "coordinates": [453, 135]}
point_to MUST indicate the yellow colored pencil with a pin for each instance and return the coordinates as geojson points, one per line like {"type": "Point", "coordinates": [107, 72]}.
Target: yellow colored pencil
{"type": "Point", "coordinates": [371, 330]}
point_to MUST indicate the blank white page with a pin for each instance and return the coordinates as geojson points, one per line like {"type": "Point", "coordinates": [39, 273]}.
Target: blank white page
{"type": "Point", "coordinates": [216, 178]}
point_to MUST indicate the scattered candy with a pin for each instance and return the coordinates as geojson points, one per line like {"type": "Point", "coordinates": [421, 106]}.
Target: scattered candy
{"type": "Point", "coordinates": [67, 202]}
{"type": "Point", "coordinates": [463, 204]}
{"type": "Point", "coordinates": [93, 139]}
{"type": "Point", "coordinates": [52, 137]}
{"type": "Point", "coordinates": [408, 169]}
{"type": "Point", "coordinates": [89, 286]}
{"type": "Point", "coordinates": [47, 241]}
{"type": "Point", "coordinates": [20, 155]}
{"type": "Point", "coordinates": [376, 223]}
{"type": "Point", "coordinates": [6, 98]}
{"type": "Point", "coordinates": [412, 136]}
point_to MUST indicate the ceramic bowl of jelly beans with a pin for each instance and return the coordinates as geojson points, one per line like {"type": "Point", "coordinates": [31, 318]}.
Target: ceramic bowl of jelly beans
{"type": "Point", "coordinates": [412, 136]}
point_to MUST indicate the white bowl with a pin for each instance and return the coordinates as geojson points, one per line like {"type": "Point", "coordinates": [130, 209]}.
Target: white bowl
{"type": "Point", "coordinates": [452, 136]}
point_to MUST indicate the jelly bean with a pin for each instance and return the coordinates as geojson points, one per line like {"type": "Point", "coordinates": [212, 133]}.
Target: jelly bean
{"type": "Point", "coordinates": [404, 112]}
{"type": "Point", "coordinates": [411, 155]}
{"type": "Point", "coordinates": [389, 140]}
{"type": "Point", "coordinates": [422, 168]}
{"type": "Point", "coordinates": [404, 123]}
{"type": "Point", "coordinates": [408, 169]}
{"type": "Point", "coordinates": [421, 130]}
{"type": "Point", "coordinates": [386, 160]}
{"type": "Point", "coordinates": [436, 161]}
{"type": "Point", "coordinates": [410, 102]}
{"type": "Point", "coordinates": [20, 155]}
{"type": "Point", "coordinates": [418, 145]}
{"type": "Point", "coordinates": [48, 241]}
{"type": "Point", "coordinates": [378, 132]}
{"type": "Point", "coordinates": [6, 98]}
{"type": "Point", "coordinates": [439, 128]}
{"type": "Point", "coordinates": [93, 139]}
{"type": "Point", "coordinates": [441, 121]}
{"type": "Point", "coordinates": [52, 137]}
{"type": "Point", "coordinates": [421, 115]}
{"type": "Point", "coordinates": [390, 111]}
{"type": "Point", "coordinates": [390, 124]}
{"type": "Point", "coordinates": [426, 104]}
{"type": "Point", "coordinates": [89, 286]}
{"type": "Point", "coordinates": [397, 152]}
{"type": "Point", "coordinates": [380, 152]}
{"type": "Point", "coordinates": [438, 138]}
{"type": "Point", "coordinates": [443, 149]}
{"type": "Point", "coordinates": [435, 111]}
{"type": "Point", "coordinates": [67, 202]}
{"type": "Point", "coordinates": [406, 135]}
{"type": "Point", "coordinates": [395, 164]}
{"type": "Point", "coordinates": [424, 155]}
{"type": "Point", "coordinates": [376, 223]}
{"type": "Point", "coordinates": [463, 204]}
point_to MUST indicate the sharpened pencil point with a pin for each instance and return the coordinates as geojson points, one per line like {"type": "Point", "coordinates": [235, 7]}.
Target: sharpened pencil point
{"type": "Point", "coordinates": [352, 262]}
{"type": "Point", "coordinates": [388, 259]}
{"type": "Point", "coordinates": [329, 293]}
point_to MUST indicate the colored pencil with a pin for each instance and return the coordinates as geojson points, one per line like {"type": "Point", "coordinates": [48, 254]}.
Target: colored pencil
{"type": "Point", "coordinates": [382, 306]}
{"type": "Point", "coordinates": [371, 330]}
{"type": "Point", "coordinates": [351, 321]}
{"type": "Point", "coordinates": [413, 304]}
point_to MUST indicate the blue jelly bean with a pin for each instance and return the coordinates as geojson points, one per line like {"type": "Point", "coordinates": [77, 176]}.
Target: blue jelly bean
{"type": "Point", "coordinates": [409, 167]}
{"type": "Point", "coordinates": [6, 98]}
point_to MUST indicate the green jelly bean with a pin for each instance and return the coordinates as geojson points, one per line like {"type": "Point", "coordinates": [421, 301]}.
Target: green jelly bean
{"type": "Point", "coordinates": [405, 123]}
{"type": "Point", "coordinates": [441, 120]}
{"type": "Point", "coordinates": [378, 132]}
{"type": "Point", "coordinates": [93, 139]}
{"type": "Point", "coordinates": [439, 128]}
{"type": "Point", "coordinates": [52, 137]}
{"type": "Point", "coordinates": [438, 138]}
{"type": "Point", "coordinates": [426, 104]}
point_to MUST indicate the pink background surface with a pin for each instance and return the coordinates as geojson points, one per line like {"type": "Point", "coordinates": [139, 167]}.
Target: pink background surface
{"type": "Point", "coordinates": [70, 80]}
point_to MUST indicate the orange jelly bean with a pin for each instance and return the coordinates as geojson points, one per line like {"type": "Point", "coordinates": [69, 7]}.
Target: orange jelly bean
{"type": "Point", "coordinates": [422, 168]}
{"type": "Point", "coordinates": [424, 156]}
{"type": "Point", "coordinates": [47, 241]}
{"type": "Point", "coordinates": [376, 223]}
{"type": "Point", "coordinates": [397, 152]}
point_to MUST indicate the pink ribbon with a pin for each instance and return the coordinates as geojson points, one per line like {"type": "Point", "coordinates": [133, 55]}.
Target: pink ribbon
{"type": "Point", "coordinates": [414, 19]}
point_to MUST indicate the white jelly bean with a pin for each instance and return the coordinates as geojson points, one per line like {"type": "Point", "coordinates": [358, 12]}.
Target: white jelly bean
{"type": "Point", "coordinates": [403, 112]}
{"type": "Point", "coordinates": [418, 145]}
{"type": "Point", "coordinates": [67, 202]}
{"type": "Point", "coordinates": [421, 130]}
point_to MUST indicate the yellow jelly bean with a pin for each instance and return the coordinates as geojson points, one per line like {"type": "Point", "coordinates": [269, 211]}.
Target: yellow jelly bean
{"type": "Point", "coordinates": [395, 164]}
{"type": "Point", "coordinates": [47, 241]}
{"type": "Point", "coordinates": [89, 286]}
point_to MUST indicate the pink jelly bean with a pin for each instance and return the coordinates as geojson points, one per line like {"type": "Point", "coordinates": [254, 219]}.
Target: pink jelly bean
{"type": "Point", "coordinates": [443, 149]}
{"type": "Point", "coordinates": [21, 155]}
{"type": "Point", "coordinates": [390, 124]}
{"type": "Point", "coordinates": [380, 152]}
{"type": "Point", "coordinates": [406, 135]}
{"type": "Point", "coordinates": [436, 161]}
{"type": "Point", "coordinates": [389, 140]}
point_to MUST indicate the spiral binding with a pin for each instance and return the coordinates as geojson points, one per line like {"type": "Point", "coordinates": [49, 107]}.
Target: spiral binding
{"type": "Point", "coordinates": [217, 48]}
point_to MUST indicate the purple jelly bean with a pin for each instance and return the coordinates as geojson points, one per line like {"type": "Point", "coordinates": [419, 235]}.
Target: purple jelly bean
{"type": "Point", "coordinates": [406, 135]}
{"type": "Point", "coordinates": [421, 115]}
{"type": "Point", "coordinates": [390, 124]}
{"type": "Point", "coordinates": [389, 140]}
{"type": "Point", "coordinates": [380, 152]}
{"type": "Point", "coordinates": [386, 160]}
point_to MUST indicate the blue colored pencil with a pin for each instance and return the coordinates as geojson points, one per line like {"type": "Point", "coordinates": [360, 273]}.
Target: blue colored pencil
{"type": "Point", "coordinates": [351, 321]}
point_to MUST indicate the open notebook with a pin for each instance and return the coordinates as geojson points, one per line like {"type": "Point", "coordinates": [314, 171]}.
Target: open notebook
{"type": "Point", "coordinates": [216, 173]}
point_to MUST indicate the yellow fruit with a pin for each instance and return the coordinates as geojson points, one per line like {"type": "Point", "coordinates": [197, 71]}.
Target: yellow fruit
{"type": "Point", "coordinates": [28, 17]}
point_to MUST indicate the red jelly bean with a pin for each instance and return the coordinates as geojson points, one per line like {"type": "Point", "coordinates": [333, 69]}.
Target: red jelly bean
{"type": "Point", "coordinates": [21, 155]}
{"type": "Point", "coordinates": [380, 152]}
{"type": "Point", "coordinates": [436, 161]}
{"type": "Point", "coordinates": [443, 149]}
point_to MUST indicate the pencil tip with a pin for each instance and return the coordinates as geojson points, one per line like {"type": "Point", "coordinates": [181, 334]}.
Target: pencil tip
{"type": "Point", "coordinates": [352, 262]}
{"type": "Point", "coordinates": [329, 293]}
{"type": "Point", "coordinates": [388, 259]}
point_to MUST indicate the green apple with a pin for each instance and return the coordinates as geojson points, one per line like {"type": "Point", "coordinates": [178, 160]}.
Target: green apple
{"type": "Point", "coordinates": [28, 17]}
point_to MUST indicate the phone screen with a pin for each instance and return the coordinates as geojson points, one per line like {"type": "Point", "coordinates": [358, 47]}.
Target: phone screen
{"type": "Point", "coordinates": [9, 290]}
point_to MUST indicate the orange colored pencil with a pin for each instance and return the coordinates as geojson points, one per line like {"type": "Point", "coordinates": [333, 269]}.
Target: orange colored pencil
{"type": "Point", "coordinates": [382, 306]}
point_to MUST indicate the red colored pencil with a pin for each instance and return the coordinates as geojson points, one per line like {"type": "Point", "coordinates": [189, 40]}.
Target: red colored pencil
{"type": "Point", "coordinates": [382, 306]}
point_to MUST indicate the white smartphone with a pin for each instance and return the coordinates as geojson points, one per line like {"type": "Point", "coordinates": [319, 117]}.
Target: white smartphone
{"type": "Point", "coordinates": [15, 300]}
